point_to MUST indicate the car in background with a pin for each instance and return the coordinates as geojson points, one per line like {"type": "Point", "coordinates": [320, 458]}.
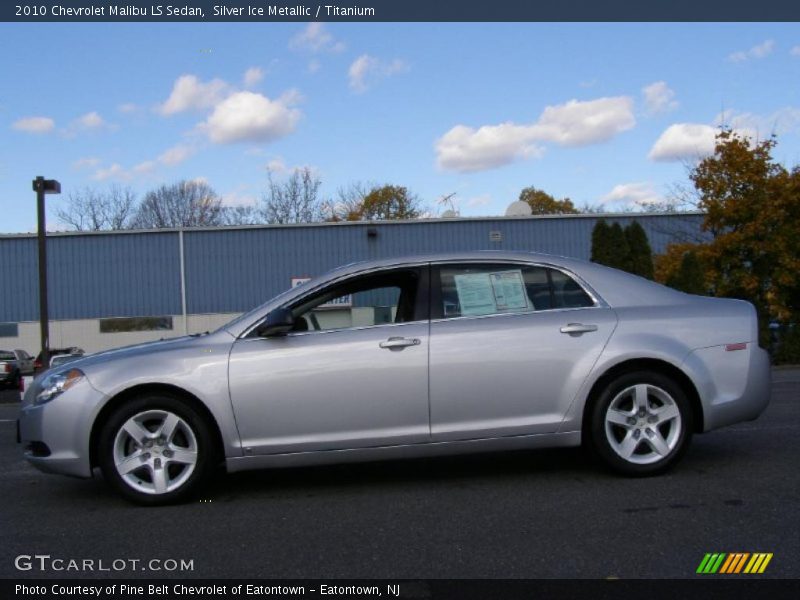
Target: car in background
{"type": "Point", "coordinates": [25, 362]}
{"type": "Point", "coordinates": [9, 369]}
{"type": "Point", "coordinates": [37, 363]}
{"type": "Point", "coordinates": [60, 359]}
{"type": "Point", "coordinates": [400, 358]}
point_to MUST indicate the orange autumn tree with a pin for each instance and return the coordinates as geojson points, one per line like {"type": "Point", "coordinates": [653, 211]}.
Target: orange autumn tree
{"type": "Point", "coordinates": [752, 213]}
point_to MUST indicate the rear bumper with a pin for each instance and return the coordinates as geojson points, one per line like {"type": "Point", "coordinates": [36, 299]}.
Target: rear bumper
{"type": "Point", "coordinates": [734, 386]}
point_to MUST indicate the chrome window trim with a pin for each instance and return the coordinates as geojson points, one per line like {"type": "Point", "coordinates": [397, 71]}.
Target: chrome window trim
{"type": "Point", "coordinates": [294, 334]}
{"type": "Point", "coordinates": [299, 299]}
{"type": "Point", "coordinates": [597, 301]}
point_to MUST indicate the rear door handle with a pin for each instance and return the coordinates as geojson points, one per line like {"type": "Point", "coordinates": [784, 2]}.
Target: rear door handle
{"type": "Point", "coordinates": [577, 328]}
{"type": "Point", "coordinates": [399, 342]}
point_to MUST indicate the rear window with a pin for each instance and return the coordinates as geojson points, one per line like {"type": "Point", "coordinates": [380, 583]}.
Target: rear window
{"type": "Point", "coordinates": [7, 356]}
{"type": "Point", "coordinates": [485, 289]}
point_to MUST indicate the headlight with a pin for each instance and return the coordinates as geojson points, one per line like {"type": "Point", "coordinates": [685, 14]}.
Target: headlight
{"type": "Point", "coordinates": [56, 384]}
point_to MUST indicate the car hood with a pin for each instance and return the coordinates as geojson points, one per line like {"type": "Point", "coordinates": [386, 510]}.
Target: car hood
{"type": "Point", "coordinates": [125, 352]}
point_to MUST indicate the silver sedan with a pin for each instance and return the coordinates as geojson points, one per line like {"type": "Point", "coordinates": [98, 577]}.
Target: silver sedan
{"type": "Point", "coordinates": [421, 356]}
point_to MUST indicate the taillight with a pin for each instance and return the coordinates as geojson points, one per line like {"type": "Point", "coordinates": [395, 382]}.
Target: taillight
{"type": "Point", "coordinates": [7, 368]}
{"type": "Point", "coordinates": [37, 364]}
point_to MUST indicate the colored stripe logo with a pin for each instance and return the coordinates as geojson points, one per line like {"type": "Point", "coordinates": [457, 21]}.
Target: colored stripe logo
{"type": "Point", "coordinates": [734, 563]}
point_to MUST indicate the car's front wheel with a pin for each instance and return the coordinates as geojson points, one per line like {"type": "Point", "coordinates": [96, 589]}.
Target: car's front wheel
{"type": "Point", "coordinates": [641, 423]}
{"type": "Point", "coordinates": [156, 450]}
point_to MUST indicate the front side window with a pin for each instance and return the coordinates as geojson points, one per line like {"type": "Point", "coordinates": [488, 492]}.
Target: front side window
{"type": "Point", "coordinates": [377, 299]}
{"type": "Point", "coordinates": [481, 289]}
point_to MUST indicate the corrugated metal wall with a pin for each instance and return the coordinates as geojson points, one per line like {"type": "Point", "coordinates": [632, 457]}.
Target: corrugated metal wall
{"type": "Point", "coordinates": [232, 270]}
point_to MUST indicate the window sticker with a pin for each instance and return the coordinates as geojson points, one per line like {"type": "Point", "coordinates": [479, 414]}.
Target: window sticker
{"type": "Point", "coordinates": [487, 293]}
{"type": "Point", "coordinates": [475, 294]}
{"type": "Point", "coordinates": [509, 290]}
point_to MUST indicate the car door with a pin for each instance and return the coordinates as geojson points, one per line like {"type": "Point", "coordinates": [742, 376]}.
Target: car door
{"type": "Point", "coordinates": [510, 346]}
{"type": "Point", "coordinates": [353, 372]}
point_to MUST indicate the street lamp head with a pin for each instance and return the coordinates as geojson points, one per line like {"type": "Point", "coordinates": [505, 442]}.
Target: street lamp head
{"type": "Point", "coordinates": [47, 186]}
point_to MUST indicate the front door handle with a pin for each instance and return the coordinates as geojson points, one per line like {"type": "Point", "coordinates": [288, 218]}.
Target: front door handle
{"type": "Point", "coordinates": [399, 342]}
{"type": "Point", "coordinates": [577, 328]}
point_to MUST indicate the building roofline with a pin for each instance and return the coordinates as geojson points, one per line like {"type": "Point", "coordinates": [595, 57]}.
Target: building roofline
{"type": "Point", "coordinates": [500, 218]}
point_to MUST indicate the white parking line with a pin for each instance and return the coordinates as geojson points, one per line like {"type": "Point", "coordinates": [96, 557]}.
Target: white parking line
{"type": "Point", "coordinates": [8, 420]}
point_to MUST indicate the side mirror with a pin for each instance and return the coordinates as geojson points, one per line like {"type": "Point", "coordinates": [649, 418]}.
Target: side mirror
{"type": "Point", "coordinates": [278, 322]}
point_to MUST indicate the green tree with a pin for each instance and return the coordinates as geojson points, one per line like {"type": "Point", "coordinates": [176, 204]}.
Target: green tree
{"type": "Point", "coordinates": [619, 253]}
{"type": "Point", "coordinates": [389, 202]}
{"type": "Point", "coordinates": [601, 242]}
{"type": "Point", "coordinates": [690, 275]}
{"type": "Point", "coordinates": [640, 261]}
{"type": "Point", "coordinates": [542, 203]}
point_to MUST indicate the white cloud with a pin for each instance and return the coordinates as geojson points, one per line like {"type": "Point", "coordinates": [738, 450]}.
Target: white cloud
{"type": "Point", "coordinates": [633, 194]}
{"type": "Point", "coordinates": [795, 51]}
{"type": "Point", "coordinates": [128, 108]}
{"type": "Point", "coordinates": [367, 70]}
{"type": "Point", "coordinates": [252, 76]}
{"type": "Point", "coordinates": [659, 98]}
{"type": "Point", "coordinates": [467, 150]}
{"type": "Point", "coordinates": [314, 65]}
{"type": "Point", "coordinates": [86, 163]}
{"type": "Point", "coordinates": [189, 93]}
{"type": "Point", "coordinates": [684, 141]}
{"type": "Point", "coordinates": [482, 200]}
{"type": "Point", "coordinates": [573, 123]}
{"type": "Point", "coordinates": [115, 171]}
{"type": "Point", "coordinates": [34, 124]}
{"type": "Point", "coordinates": [247, 116]}
{"type": "Point", "coordinates": [143, 168]}
{"type": "Point", "coordinates": [175, 155]}
{"type": "Point", "coordinates": [91, 120]}
{"type": "Point", "coordinates": [758, 51]}
{"type": "Point", "coordinates": [784, 120]}
{"type": "Point", "coordinates": [316, 38]}
{"type": "Point", "coordinates": [240, 197]}
{"type": "Point", "coordinates": [277, 166]}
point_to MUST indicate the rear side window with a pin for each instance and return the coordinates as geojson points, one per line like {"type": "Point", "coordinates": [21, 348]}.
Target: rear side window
{"type": "Point", "coordinates": [481, 289]}
{"type": "Point", "coordinates": [567, 293]}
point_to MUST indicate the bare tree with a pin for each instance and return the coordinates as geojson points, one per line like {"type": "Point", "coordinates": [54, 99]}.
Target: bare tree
{"type": "Point", "coordinates": [182, 204]}
{"type": "Point", "coordinates": [294, 200]}
{"type": "Point", "coordinates": [349, 203]}
{"type": "Point", "coordinates": [94, 210]}
{"type": "Point", "coordinates": [241, 215]}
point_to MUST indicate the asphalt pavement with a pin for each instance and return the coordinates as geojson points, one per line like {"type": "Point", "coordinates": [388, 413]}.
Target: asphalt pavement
{"type": "Point", "coordinates": [531, 514]}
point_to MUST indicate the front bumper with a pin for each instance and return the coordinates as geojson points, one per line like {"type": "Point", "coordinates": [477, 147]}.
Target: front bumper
{"type": "Point", "coordinates": [63, 426]}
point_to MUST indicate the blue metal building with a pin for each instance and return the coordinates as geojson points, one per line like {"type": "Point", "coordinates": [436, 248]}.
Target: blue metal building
{"type": "Point", "coordinates": [229, 270]}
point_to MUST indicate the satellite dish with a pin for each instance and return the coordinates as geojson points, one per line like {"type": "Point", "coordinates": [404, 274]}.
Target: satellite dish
{"type": "Point", "coordinates": [449, 214]}
{"type": "Point", "coordinates": [519, 209]}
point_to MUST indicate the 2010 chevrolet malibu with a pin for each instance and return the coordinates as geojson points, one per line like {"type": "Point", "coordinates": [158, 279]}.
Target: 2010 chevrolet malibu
{"type": "Point", "coordinates": [409, 357]}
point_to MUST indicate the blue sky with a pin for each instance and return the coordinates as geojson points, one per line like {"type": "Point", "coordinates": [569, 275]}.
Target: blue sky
{"type": "Point", "coordinates": [602, 113]}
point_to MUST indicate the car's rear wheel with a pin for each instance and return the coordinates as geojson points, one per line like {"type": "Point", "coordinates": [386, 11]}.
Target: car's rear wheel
{"type": "Point", "coordinates": [641, 423]}
{"type": "Point", "coordinates": [156, 450]}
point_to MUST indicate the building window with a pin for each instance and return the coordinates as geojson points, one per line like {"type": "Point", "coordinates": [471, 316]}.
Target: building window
{"type": "Point", "coordinates": [9, 329]}
{"type": "Point", "coordinates": [123, 324]}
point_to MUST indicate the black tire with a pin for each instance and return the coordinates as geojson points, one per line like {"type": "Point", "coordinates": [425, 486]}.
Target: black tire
{"type": "Point", "coordinates": [193, 433]}
{"type": "Point", "coordinates": [649, 456]}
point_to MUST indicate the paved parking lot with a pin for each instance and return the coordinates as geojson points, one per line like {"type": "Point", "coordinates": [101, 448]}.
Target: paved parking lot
{"type": "Point", "coordinates": [519, 515]}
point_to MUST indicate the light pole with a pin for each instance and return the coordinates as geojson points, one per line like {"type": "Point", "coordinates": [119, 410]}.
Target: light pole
{"type": "Point", "coordinates": [43, 186]}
